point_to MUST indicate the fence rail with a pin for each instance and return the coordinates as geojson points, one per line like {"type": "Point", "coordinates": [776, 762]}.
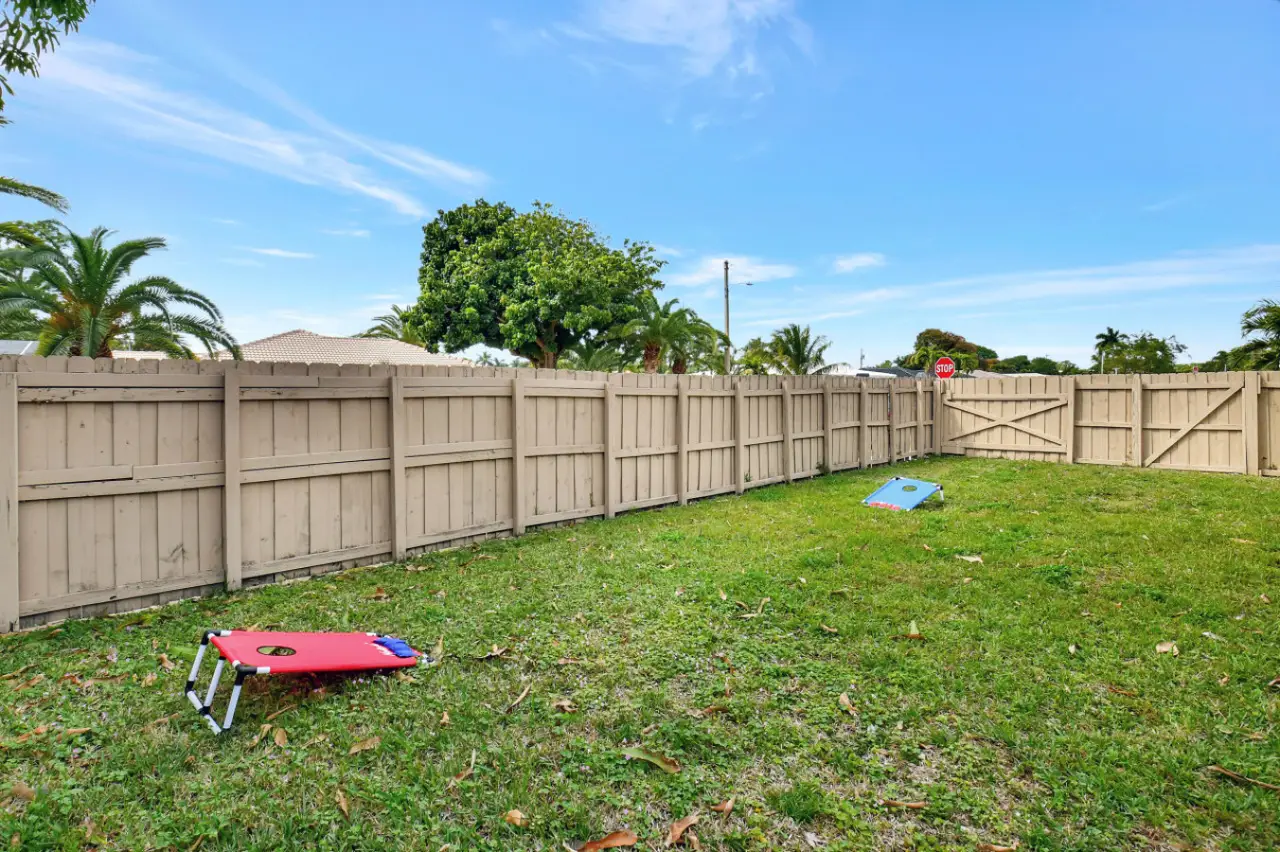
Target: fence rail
{"type": "Point", "coordinates": [124, 484]}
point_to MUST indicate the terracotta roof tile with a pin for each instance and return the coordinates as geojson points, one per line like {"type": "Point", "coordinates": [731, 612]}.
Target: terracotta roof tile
{"type": "Point", "coordinates": [305, 347]}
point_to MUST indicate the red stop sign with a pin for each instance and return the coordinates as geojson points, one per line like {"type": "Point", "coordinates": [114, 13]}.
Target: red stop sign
{"type": "Point", "coordinates": [945, 368]}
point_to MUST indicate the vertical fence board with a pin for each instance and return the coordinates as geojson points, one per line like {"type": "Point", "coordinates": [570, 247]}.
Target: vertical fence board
{"type": "Point", "coordinates": [9, 591]}
{"type": "Point", "coordinates": [231, 487]}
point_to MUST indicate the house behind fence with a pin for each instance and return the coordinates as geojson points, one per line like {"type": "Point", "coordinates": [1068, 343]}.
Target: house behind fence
{"type": "Point", "coordinates": [119, 479]}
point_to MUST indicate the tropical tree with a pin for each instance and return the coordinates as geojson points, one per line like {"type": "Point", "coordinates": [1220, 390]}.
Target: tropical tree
{"type": "Point", "coordinates": [797, 352]}
{"type": "Point", "coordinates": [85, 307]}
{"type": "Point", "coordinates": [1261, 326]}
{"type": "Point", "coordinates": [1140, 353]}
{"type": "Point", "coordinates": [662, 328]}
{"type": "Point", "coordinates": [535, 284]}
{"type": "Point", "coordinates": [755, 359]}
{"type": "Point", "coordinates": [598, 354]}
{"type": "Point", "coordinates": [1107, 341]}
{"type": "Point", "coordinates": [394, 326]}
{"type": "Point", "coordinates": [33, 27]}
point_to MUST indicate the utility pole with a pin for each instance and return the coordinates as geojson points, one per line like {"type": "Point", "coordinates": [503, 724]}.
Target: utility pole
{"type": "Point", "coordinates": [728, 367]}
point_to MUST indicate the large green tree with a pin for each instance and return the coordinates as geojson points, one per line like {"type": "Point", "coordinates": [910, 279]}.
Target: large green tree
{"type": "Point", "coordinates": [797, 352]}
{"type": "Point", "coordinates": [534, 283]}
{"type": "Point", "coordinates": [1137, 353]}
{"type": "Point", "coordinates": [85, 307]}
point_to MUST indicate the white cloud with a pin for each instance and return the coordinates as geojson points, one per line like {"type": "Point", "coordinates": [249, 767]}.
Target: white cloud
{"type": "Point", "coordinates": [741, 269]}
{"type": "Point", "coordinates": [345, 232]}
{"type": "Point", "coordinates": [709, 35]}
{"type": "Point", "coordinates": [854, 262]}
{"type": "Point", "coordinates": [279, 252]}
{"type": "Point", "coordinates": [667, 251]}
{"type": "Point", "coordinates": [801, 320]}
{"type": "Point", "coordinates": [101, 87]}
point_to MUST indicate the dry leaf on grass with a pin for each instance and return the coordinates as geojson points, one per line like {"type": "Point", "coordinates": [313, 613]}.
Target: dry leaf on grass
{"type": "Point", "coordinates": [1118, 691]}
{"type": "Point", "coordinates": [1275, 681]}
{"type": "Point", "coordinates": [564, 705]}
{"type": "Point", "coordinates": [149, 679]}
{"type": "Point", "coordinates": [663, 762]}
{"type": "Point", "coordinates": [977, 559]}
{"type": "Point", "coordinates": [1073, 649]}
{"type": "Point", "coordinates": [105, 680]}
{"type": "Point", "coordinates": [164, 720]}
{"type": "Point", "coordinates": [516, 818]}
{"type": "Point", "coordinates": [75, 732]}
{"type": "Point", "coordinates": [13, 674]}
{"type": "Point", "coordinates": [723, 596]}
{"type": "Point", "coordinates": [494, 653]}
{"type": "Point", "coordinates": [365, 745]}
{"type": "Point", "coordinates": [725, 807]}
{"type": "Point", "coordinates": [1167, 648]}
{"type": "Point", "coordinates": [262, 732]}
{"type": "Point", "coordinates": [281, 737]}
{"type": "Point", "coordinates": [36, 732]}
{"type": "Point", "coordinates": [992, 847]}
{"type": "Point", "coordinates": [913, 632]}
{"type": "Point", "coordinates": [826, 629]}
{"type": "Point", "coordinates": [679, 827]}
{"type": "Point", "coordinates": [444, 719]}
{"type": "Point", "coordinates": [22, 791]}
{"type": "Point", "coordinates": [437, 653]}
{"type": "Point", "coordinates": [379, 594]}
{"type": "Point", "coordinates": [1236, 776]}
{"type": "Point", "coordinates": [894, 803]}
{"type": "Point", "coordinates": [927, 547]}
{"type": "Point", "coordinates": [27, 684]}
{"type": "Point", "coordinates": [612, 841]}
{"type": "Point", "coordinates": [812, 840]}
{"type": "Point", "coordinates": [281, 712]}
{"type": "Point", "coordinates": [1264, 599]}
{"type": "Point", "coordinates": [341, 798]}
{"type": "Point", "coordinates": [712, 709]}
{"type": "Point", "coordinates": [514, 704]}
{"type": "Point", "coordinates": [1224, 680]}
{"type": "Point", "coordinates": [568, 661]}
{"type": "Point", "coordinates": [166, 663]}
{"type": "Point", "coordinates": [846, 705]}
{"type": "Point", "coordinates": [1244, 541]}
{"type": "Point", "coordinates": [464, 774]}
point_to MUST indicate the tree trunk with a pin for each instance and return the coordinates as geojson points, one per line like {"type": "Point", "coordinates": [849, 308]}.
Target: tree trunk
{"type": "Point", "coordinates": [679, 366]}
{"type": "Point", "coordinates": [652, 352]}
{"type": "Point", "coordinates": [549, 359]}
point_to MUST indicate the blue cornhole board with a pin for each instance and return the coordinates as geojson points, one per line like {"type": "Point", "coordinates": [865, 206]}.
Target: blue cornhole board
{"type": "Point", "coordinates": [902, 494]}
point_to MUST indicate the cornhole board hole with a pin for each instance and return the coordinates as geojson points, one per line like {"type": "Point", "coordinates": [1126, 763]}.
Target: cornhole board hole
{"type": "Point", "coordinates": [902, 494]}
{"type": "Point", "coordinates": [270, 653]}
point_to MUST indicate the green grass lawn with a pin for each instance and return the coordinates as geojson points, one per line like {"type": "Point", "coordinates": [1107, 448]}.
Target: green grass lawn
{"type": "Point", "coordinates": [1036, 709]}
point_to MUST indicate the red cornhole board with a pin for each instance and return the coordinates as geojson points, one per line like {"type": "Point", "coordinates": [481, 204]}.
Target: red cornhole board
{"type": "Point", "coordinates": [266, 653]}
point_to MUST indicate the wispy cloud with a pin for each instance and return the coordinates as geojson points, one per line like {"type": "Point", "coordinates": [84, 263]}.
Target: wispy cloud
{"type": "Point", "coordinates": [1165, 203]}
{"type": "Point", "coordinates": [854, 262]}
{"type": "Point", "coordinates": [225, 221]}
{"type": "Point", "coordinates": [708, 36]}
{"type": "Point", "coordinates": [785, 320]}
{"type": "Point", "coordinates": [345, 232]}
{"type": "Point", "coordinates": [279, 252]}
{"type": "Point", "coordinates": [104, 85]}
{"type": "Point", "coordinates": [667, 251]}
{"type": "Point", "coordinates": [741, 269]}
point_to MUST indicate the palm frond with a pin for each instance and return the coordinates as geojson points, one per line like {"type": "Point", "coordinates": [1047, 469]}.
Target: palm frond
{"type": "Point", "coordinates": [9, 186]}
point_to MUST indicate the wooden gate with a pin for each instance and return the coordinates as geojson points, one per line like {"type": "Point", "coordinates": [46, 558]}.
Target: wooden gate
{"type": "Point", "coordinates": [1032, 422]}
{"type": "Point", "coordinates": [1193, 426]}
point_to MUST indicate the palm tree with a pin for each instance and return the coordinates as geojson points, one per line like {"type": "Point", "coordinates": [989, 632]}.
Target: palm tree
{"type": "Point", "coordinates": [396, 325]}
{"type": "Point", "coordinates": [85, 308]}
{"type": "Point", "coordinates": [797, 352]}
{"type": "Point", "coordinates": [927, 355]}
{"type": "Point", "coordinates": [598, 355]}
{"type": "Point", "coordinates": [1261, 325]}
{"type": "Point", "coordinates": [9, 186]}
{"type": "Point", "coordinates": [1107, 340]}
{"type": "Point", "coordinates": [664, 327]}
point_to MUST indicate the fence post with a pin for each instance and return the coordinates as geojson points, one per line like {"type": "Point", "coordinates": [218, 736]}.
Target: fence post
{"type": "Point", "coordinates": [1252, 423]}
{"type": "Point", "coordinates": [788, 454]}
{"type": "Point", "coordinates": [938, 418]}
{"type": "Point", "coordinates": [611, 477]}
{"type": "Point", "coordinates": [739, 437]}
{"type": "Point", "coordinates": [682, 436]}
{"type": "Point", "coordinates": [828, 426]}
{"type": "Point", "coordinates": [892, 417]}
{"type": "Point", "coordinates": [399, 492]}
{"type": "Point", "coordinates": [919, 418]}
{"type": "Point", "coordinates": [864, 435]}
{"type": "Point", "coordinates": [1069, 439]}
{"type": "Point", "coordinates": [1136, 381]}
{"type": "Point", "coordinates": [231, 520]}
{"type": "Point", "coordinates": [517, 456]}
{"type": "Point", "coordinates": [9, 502]}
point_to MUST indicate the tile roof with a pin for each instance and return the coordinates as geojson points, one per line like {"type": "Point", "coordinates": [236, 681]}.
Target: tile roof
{"type": "Point", "coordinates": [17, 347]}
{"type": "Point", "coordinates": [306, 347]}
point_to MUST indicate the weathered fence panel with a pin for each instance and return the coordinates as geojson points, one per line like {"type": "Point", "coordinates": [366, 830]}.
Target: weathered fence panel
{"type": "Point", "coordinates": [125, 484]}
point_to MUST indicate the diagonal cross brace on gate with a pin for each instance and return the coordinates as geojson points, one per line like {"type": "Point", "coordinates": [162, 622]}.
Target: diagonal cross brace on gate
{"type": "Point", "coordinates": [1011, 422]}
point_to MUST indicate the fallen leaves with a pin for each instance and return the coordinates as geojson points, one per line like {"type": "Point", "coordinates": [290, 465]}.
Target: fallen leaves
{"type": "Point", "coordinates": [1167, 648]}
{"type": "Point", "coordinates": [568, 661]}
{"type": "Point", "coordinates": [977, 559]}
{"type": "Point", "coordinates": [262, 732]}
{"type": "Point", "coordinates": [725, 807]}
{"type": "Point", "coordinates": [812, 840]}
{"type": "Point", "coordinates": [826, 629]}
{"type": "Point", "coordinates": [437, 653]}
{"type": "Point", "coordinates": [281, 712]}
{"type": "Point", "coordinates": [894, 803]}
{"type": "Point", "coordinates": [365, 745]}
{"type": "Point", "coordinates": [913, 633]}
{"type": "Point", "coordinates": [1236, 776]}
{"type": "Point", "coordinates": [1264, 598]}
{"type": "Point", "coordinates": [1244, 541]}
{"type": "Point", "coordinates": [149, 679]}
{"type": "Point", "coordinates": [21, 791]}
{"type": "Point", "coordinates": [723, 596]}
{"type": "Point", "coordinates": [666, 764]}
{"type": "Point", "coordinates": [27, 684]}
{"type": "Point", "coordinates": [36, 732]}
{"type": "Point", "coordinates": [341, 798]}
{"type": "Point", "coordinates": [564, 705]}
{"type": "Point", "coordinates": [464, 774]}
{"type": "Point", "coordinates": [992, 847]}
{"type": "Point", "coordinates": [16, 672]}
{"type": "Point", "coordinates": [379, 594]}
{"type": "Point", "coordinates": [1128, 693]}
{"type": "Point", "coordinates": [281, 737]}
{"type": "Point", "coordinates": [514, 817]}
{"type": "Point", "coordinates": [614, 840]}
{"type": "Point", "coordinates": [495, 653]}
{"type": "Point", "coordinates": [1073, 649]}
{"type": "Point", "coordinates": [679, 827]}
{"type": "Point", "coordinates": [846, 705]}
{"type": "Point", "coordinates": [166, 663]}
{"type": "Point", "coordinates": [1275, 681]}
{"type": "Point", "coordinates": [444, 719]}
{"type": "Point", "coordinates": [520, 699]}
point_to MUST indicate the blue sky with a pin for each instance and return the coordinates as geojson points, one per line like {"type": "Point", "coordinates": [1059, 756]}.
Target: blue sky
{"type": "Point", "coordinates": [1022, 173]}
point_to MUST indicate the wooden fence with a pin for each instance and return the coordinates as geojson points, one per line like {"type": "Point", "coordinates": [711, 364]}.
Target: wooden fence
{"type": "Point", "coordinates": [124, 484]}
{"type": "Point", "coordinates": [1225, 422]}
